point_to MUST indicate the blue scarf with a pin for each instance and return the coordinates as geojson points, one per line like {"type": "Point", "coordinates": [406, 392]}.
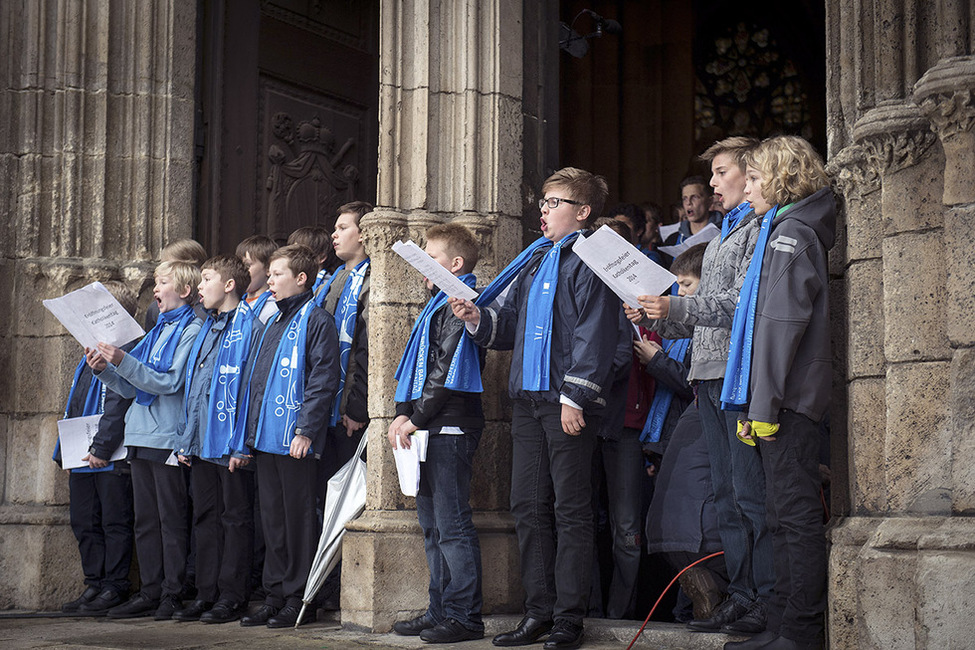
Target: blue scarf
{"type": "Point", "coordinates": [320, 279]}
{"type": "Point", "coordinates": [346, 312]}
{"type": "Point", "coordinates": [663, 397]}
{"type": "Point", "coordinates": [161, 359]}
{"type": "Point", "coordinates": [94, 405]}
{"type": "Point", "coordinates": [535, 365]}
{"type": "Point", "coordinates": [734, 391]}
{"type": "Point", "coordinates": [258, 305]}
{"type": "Point", "coordinates": [225, 426]}
{"type": "Point", "coordinates": [464, 373]}
{"type": "Point", "coordinates": [733, 218]}
{"type": "Point", "coordinates": [285, 390]}
{"type": "Point", "coordinates": [510, 272]}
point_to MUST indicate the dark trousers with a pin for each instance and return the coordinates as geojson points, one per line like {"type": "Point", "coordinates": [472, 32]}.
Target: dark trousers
{"type": "Point", "coordinates": [101, 518]}
{"type": "Point", "coordinates": [450, 539]}
{"type": "Point", "coordinates": [287, 490]}
{"type": "Point", "coordinates": [551, 499]}
{"type": "Point", "coordinates": [223, 522]}
{"type": "Point", "coordinates": [739, 500]}
{"type": "Point", "coordinates": [159, 495]}
{"type": "Point", "coordinates": [622, 464]}
{"type": "Point", "coordinates": [795, 519]}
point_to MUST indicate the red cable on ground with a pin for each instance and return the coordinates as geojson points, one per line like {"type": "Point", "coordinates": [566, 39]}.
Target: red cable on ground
{"type": "Point", "coordinates": [664, 592]}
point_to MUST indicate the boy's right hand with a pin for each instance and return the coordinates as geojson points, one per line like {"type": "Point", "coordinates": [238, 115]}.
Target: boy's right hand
{"type": "Point", "coordinates": [183, 459]}
{"type": "Point", "coordinates": [635, 316]}
{"type": "Point", "coordinates": [465, 310]}
{"type": "Point", "coordinates": [397, 439]}
{"type": "Point", "coordinates": [646, 349]}
{"type": "Point", "coordinates": [95, 360]}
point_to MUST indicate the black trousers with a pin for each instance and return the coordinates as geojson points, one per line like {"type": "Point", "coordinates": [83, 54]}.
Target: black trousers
{"type": "Point", "coordinates": [287, 492]}
{"type": "Point", "coordinates": [795, 519]}
{"type": "Point", "coordinates": [223, 522]}
{"type": "Point", "coordinates": [551, 501]}
{"type": "Point", "coordinates": [101, 518]}
{"type": "Point", "coordinates": [159, 494]}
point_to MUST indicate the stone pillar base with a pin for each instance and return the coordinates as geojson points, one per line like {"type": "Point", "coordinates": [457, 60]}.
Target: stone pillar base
{"type": "Point", "coordinates": [38, 558]}
{"type": "Point", "coordinates": [900, 583]}
{"type": "Point", "coordinates": [384, 566]}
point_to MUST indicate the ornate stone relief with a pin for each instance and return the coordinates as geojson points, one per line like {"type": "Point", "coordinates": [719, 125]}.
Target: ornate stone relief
{"type": "Point", "coordinates": [894, 137]}
{"type": "Point", "coordinates": [853, 176]}
{"type": "Point", "coordinates": [950, 114]}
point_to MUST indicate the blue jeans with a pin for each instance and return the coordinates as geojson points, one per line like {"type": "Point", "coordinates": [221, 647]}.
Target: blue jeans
{"type": "Point", "coordinates": [449, 537]}
{"type": "Point", "coordinates": [739, 498]}
{"type": "Point", "coordinates": [551, 498]}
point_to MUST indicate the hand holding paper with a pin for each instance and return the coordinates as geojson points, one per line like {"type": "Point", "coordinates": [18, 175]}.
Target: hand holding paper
{"type": "Point", "coordinates": [619, 264]}
{"type": "Point", "coordinates": [431, 269]}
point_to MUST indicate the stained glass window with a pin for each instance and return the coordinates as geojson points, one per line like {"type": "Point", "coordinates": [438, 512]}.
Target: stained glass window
{"type": "Point", "coordinates": [747, 86]}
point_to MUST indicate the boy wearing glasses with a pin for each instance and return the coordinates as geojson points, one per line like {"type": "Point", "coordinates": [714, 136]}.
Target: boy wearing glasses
{"type": "Point", "coordinates": [556, 318]}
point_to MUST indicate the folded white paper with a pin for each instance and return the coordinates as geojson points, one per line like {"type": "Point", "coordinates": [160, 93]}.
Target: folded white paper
{"type": "Point", "coordinates": [92, 315]}
{"type": "Point", "coordinates": [668, 229]}
{"type": "Point", "coordinates": [408, 462]}
{"type": "Point", "coordinates": [706, 234]}
{"type": "Point", "coordinates": [621, 266]}
{"type": "Point", "coordinates": [76, 436]}
{"type": "Point", "coordinates": [431, 269]}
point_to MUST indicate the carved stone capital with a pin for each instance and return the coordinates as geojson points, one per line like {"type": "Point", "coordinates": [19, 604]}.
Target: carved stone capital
{"type": "Point", "coordinates": [853, 176]}
{"type": "Point", "coordinates": [944, 94]}
{"type": "Point", "coordinates": [894, 137]}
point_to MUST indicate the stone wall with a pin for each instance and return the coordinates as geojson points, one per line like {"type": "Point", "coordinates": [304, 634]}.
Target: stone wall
{"type": "Point", "coordinates": [96, 157]}
{"type": "Point", "coordinates": [900, 138]}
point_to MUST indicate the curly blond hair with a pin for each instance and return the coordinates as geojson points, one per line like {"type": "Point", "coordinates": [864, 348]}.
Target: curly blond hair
{"type": "Point", "coordinates": [791, 169]}
{"type": "Point", "coordinates": [185, 275]}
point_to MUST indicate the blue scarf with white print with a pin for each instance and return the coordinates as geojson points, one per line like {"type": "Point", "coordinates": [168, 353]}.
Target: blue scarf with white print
{"type": "Point", "coordinates": [464, 373]}
{"type": "Point", "coordinates": [733, 218]}
{"type": "Point", "coordinates": [734, 391]}
{"type": "Point", "coordinates": [225, 425]}
{"type": "Point", "coordinates": [257, 306]}
{"type": "Point", "coordinates": [346, 313]}
{"type": "Point", "coordinates": [663, 396]}
{"type": "Point", "coordinates": [94, 405]}
{"type": "Point", "coordinates": [160, 358]}
{"type": "Point", "coordinates": [320, 279]}
{"type": "Point", "coordinates": [285, 390]}
{"type": "Point", "coordinates": [535, 365]}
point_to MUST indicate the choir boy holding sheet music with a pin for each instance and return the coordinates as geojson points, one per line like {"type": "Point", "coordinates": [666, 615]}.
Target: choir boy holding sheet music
{"type": "Point", "coordinates": [439, 391]}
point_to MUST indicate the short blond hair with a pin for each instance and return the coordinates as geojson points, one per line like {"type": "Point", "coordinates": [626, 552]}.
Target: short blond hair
{"type": "Point", "coordinates": [184, 250]}
{"type": "Point", "coordinates": [184, 274]}
{"type": "Point", "coordinates": [737, 146]}
{"type": "Point", "coordinates": [458, 241]}
{"type": "Point", "coordinates": [790, 167]}
{"type": "Point", "coordinates": [585, 187]}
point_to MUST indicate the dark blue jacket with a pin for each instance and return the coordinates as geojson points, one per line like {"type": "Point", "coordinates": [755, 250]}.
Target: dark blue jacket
{"type": "Point", "coordinates": [584, 333]}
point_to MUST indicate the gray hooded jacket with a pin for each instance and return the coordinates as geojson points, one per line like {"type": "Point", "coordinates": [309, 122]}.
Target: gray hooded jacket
{"type": "Point", "coordinates": [707, 315]}
{"type": "Point", "coordinates": [791, 351]}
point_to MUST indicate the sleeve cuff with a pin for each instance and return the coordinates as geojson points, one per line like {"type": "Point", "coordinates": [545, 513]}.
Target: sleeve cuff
{"type": "Point", "coordinates": [565, 400]}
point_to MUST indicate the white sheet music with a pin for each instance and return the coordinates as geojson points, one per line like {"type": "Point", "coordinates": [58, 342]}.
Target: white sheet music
{"type": "Point", "coordinates": [76, 435]}
{"type": "Point", "coordinates": [707, 233]}
{"type": "Point", "coordinates": [92, 315]}
{"type": "Point", "coordinates": [621, 266]}
{"type": "Point", "coordinates": [430, 268]}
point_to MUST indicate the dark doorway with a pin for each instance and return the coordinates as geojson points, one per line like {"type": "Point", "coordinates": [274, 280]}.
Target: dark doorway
{"type": "Point", "coordinates": [287, 115]}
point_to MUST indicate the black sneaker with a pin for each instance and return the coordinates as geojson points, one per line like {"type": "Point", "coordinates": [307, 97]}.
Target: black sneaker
{"type": "Point", "coordinates": [751, 623]}
{"type": "Point", "coordinates": [414, 626]}
{"type": "Point", "coordinates": [88, 595]}
{"type": "Point", "coordinates": [168, 605]}
{"type": "Point", "coordinates": [450, 631]}
{"type": "Point", "coordinates": [728, 611]}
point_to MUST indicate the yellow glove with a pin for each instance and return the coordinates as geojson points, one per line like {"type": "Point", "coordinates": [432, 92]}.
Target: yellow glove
{"type": "Point", "coordinates": [755, 428]}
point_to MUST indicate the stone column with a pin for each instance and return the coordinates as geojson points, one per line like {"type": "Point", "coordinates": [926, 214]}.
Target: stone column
{"type": "Point", "coordinates": [452, 112]}
{"type": "Point", "coordinates": [96, 157]}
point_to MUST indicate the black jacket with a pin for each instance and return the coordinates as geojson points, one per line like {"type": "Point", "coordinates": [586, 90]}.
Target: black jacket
{"type": "Point", "coordinates": [584, 333]}
{"type": "Point", "coordinates": [438, 406]}
{"type": "Point", "coordinates": [672, 374]}
{"type": "Point", "coordinates": [321, 368]}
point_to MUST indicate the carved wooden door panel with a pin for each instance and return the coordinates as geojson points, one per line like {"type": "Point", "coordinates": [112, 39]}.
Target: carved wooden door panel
{"type": "Point", "coordinates": [288, 115]}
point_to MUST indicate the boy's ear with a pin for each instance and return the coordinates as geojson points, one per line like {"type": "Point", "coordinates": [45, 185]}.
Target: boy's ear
{"type": "Point", "coordinates": [229, 286]}
{"type": "Point", "coordinates": [301, 279]}
{"type": "Point", "coordinates": [583, 213]}
{"type": "Point", "coordinates": [456, 264]}
{"type": "Point", "coordinates": [185, 293]}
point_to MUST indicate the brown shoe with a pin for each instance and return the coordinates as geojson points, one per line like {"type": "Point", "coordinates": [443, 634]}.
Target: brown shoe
{"type": "Point", "coordinates": [700, 586]}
